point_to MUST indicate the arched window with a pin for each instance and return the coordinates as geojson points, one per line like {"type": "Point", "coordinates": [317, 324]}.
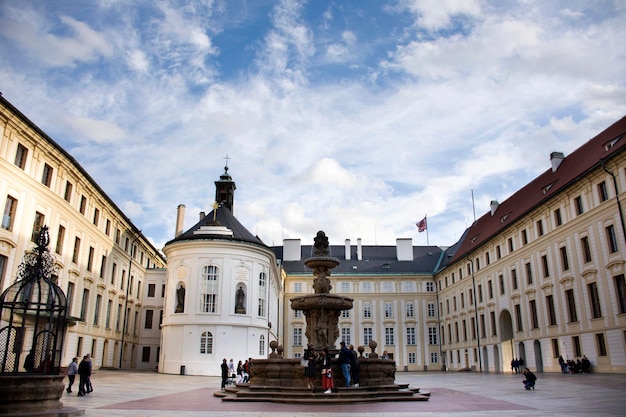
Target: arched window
{"type": "Point", "coordinates": [262, 294]}
{"type": "Point", "coordinates": [206, 343]}
{"type": "Point", "coordinates": [210, 289]}
{"type": "Point", "coordinates": [262, 345]}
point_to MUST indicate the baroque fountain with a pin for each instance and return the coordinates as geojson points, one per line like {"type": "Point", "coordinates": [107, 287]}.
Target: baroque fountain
{"type": "Point", "coordinates": [280, 379]}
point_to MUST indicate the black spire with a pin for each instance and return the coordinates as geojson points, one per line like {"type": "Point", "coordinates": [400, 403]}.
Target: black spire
{"type": "Point", "coordinates": [225, 189]}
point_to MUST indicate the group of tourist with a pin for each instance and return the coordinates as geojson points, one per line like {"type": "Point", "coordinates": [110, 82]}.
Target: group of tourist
{"type": "Point", "coordinates": [239, 374]}
{"type": "Point", "coordinates": [517, 365]}
{"type": "Point", "coordinates": [579, 366]}
{"type": "Point", "coordinates": [322, 362]}
{"type": "Point", "coordinates": [83, 370]}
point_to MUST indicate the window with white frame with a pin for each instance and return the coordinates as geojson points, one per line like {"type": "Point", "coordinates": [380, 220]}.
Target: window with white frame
{"type": "Point", "coordinates": [346, 335]}
{"type": "Point", "coordinates": [367, 335]}
{"type": "Point", "coordinates": [345, 314]}
{"type": "Point", "coordinates": [430, 286]}
{"type": "Point", "coordinates": [408, 286]}
{"type": "Point", "coordinates": [206, 343]}
{"type": "Point", "coordinates": [262, 345]}
{"type": "Point", "coordinates": [367, 310]}
{"type": "Point", "coordinates": [262, 294]}
{"type": "Point", "coordinates": [410, 335]}
{"type": "Point", "coordinates": [210, 287]}
{"type": "Point", "coordinates": [389, 336]}
{"type": "Point", "coordinates": [366, 286]}
{"type": "Point", "coordinates": [431, 309]}
{"type": "Point", "coordinates": [432, 336]}
{"type": "Point", "coordinates": [297, 287]}
{"type": "Point", "coordinates": [434, 357]}
{"type": "Point", "coordinates": [297, 336]}
{"type": "Point", "coordinates": [410, 310]}
{"type": "Point", "coordinates": [297, 314]}
{"type": "Point", "coordinates": [388, 286]}
{"type": "Point", "coordinates": [344, 286]}
{"type": "Point", "coordinates": [412, 358]}
{"type": "Point", "coordinates": [388, 310]}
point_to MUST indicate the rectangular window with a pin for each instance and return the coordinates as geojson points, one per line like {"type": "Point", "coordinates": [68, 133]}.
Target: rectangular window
{"type": "Point", "coordinates": [603, 193]}
{"type": "Point", "coordinates": [297, 287]}
{"type": "Point", "coordinates": [501, 280]}
{"type": "Point", "coordinates": [471, 297]}
{"type": "Point", "coordinates": [60, 239]}
{"type": "Point", "coordinates": [83, 204]}
{"type": "Point", "coordinates": [432, 336]}
{"type": "Point", "coordinates": [546, 268]}
{"type": "Point", "coordinates": [576, 342]}
{"type": "Point", "coordinates": [578, 205]}
{"type": "Point", "coordinates": [431, 309]}
{"type": "Point", "coordinates": [539, 227]}
{"type": "Point", "coordinates": [96, 313]}
{"type": "Point", "coordinates": [473, 327]}
{"type": "Point", "coordinates": [84, 305]}
{"type": "Point", "coordinates": [494, 329]}
{"type": "Point", "coordinates": [107, 321]}
{"type": "Point", "coordinates": [345, 287]}
{"type": "Point", "coordinates": [489, 289]}
{"type": "Point", "coordinates": [113, 272]}
{"type": "Point", "coordinates": [366, 287]}
{"type": "Point", "coordinates": [388, 311]}
{"type": "Point", "coordinates": [601, 344]}
{"type": "Point", "coordinates": [20, 156]}
{"type": "Point", "coordinates": [70, 297]}
{"type": "Point", "coordinates": [620, 291]}
{"type": "Point", "coordinates": [368, 335]}
{"type": "Point", "coordinates": [558, 220]}
{"type": "Point", "coordinates": [487, 258]}
{"type": "Point", "coordinates": [410, 335]}
{"type": "Point", "coordinates": [456, 331]}
{"type": "Point", "coordinates": [498, 252]}
{"type": "Point", "coordinates": [518, 318]}
{"type": "Point", "coordinates": [584, 243]}
{"type": "Point", "coordinates": [594, 300]}
{"type": "Point", "coordinates": [555, 348]}
{"type": "Point", "coordinates": [209, 289]}
{"type": "Point", "coordinates": [367, 310]}
{"type": "Point", "coordinates": [68, 191]}
{"type": "Point", "coordinates": [483, 330]}
{"type": "Point", "coordinates": [534, 318]}
{"type": "Point", "coordinates": [529, 273]}
{"type": "Point", "coordinates": [297, 314]}
{"type": "Point", "coordinates": [96, 216]}
{"type": "Point", "coordinates": [480, 293]}
{"type": "Point", "coordinates": [118, 318]}
{"type": "Point", "coordinates": [412, 358]}
{"type": "Point", "coordinates": [551, 310]}
{"type": "Point", "coordinates": [103, 264]}
{"type": "Point", "coordinates": [76, 250]}
{"type": "Point", "coordinates": [145, 354]}
{"type": "Point", "coordinates": [524, 237]}
{"type": "Point", "coordinates": [46, 178]}
{"type": "Point", "coordinates": [10, 206]}
{"type": "Point", "coordinates": [564, 258]}
{"type": "Point", "coordinates": [611, 239]}
{"type": "Point", "coordinates": [434, 357]}
{"type": "Point", "coordinates": [346, 336]}
{"type": "Point", "coordinates": [90, 258]}
{"type": "Point", "coordinates": [37, 225]}
{"type": "Point", "coordinates": [514, 279]}
{"type": "Point", "coordinates": [571, 306]}
{"type": "Point", "coordinates": [464, 330]}
{"type": "Point", "coordinates": [511, 248]}
{"type": "Point", "coordinates": [149, 318]}
{"type": "Point", "coordinates": [107, 229]}
{"type": "Point", "coordinates": [151, 289]}
{"type": "Point", "coordinates": [410, 311]}
{"type": "Point", "coordinates": [430, 287]}
{"type": "Point", "coordinates": [345, 314]}
{"type": "Point", "coordinates": [297, 336]}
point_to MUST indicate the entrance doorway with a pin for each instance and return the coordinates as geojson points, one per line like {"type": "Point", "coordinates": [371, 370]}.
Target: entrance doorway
{"type": "Point", "coordinates": [506, 339]}
{"type": "Point", "coordinates": [538, 357]}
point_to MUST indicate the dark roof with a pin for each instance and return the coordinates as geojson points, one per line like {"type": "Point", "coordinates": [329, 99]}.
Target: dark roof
{"type": "Point", "coordinates": [589, 156]}
{"type": "Point", "coordinates": [225, 218]}
{"type": "Point", "coordinates": [376, 260]}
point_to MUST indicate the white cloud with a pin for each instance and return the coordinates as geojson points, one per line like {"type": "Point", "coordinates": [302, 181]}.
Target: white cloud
{"type": "Point", "coordinates": [436, 14]}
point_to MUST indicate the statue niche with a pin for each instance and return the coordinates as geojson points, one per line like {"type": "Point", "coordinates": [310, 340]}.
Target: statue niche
{"type": "Point", "coordinates": [240, 301]}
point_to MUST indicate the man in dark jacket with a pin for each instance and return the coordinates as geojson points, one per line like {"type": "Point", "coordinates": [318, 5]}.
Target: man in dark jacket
{"type": "Point", "coordinates": [224, 373]}
{"type": "Point", "coordinates": [529, 382]}
{"type": "Point", "coordinates": [345, 358]}
{"type": "Point", "coordinates": [84, 372]}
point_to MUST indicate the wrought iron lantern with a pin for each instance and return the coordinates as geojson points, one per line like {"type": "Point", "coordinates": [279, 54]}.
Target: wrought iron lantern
{"type": "Point", "coordinates": [33, 316]}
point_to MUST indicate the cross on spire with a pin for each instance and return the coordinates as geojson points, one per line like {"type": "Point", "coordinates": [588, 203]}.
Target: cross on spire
{"type": "Point", "coordinates": [226, 158]}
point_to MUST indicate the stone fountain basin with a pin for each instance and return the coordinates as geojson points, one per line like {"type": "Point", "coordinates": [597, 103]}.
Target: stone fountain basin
{"type": "Point", "coordinates": [321, 261]}
{"type": "Point", "coordinates": [321, 301]}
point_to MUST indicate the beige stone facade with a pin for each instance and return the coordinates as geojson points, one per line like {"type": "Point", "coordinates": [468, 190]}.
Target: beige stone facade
{"type": "Point", "coordinates": [90, 237]}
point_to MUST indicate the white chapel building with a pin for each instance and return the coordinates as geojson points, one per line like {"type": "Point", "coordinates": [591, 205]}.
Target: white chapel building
{"type": "Point", "coordinates": [222, 292]}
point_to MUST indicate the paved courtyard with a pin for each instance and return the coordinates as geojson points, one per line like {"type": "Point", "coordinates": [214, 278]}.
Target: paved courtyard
{"type": "Point", "coordinates": [122, 393]}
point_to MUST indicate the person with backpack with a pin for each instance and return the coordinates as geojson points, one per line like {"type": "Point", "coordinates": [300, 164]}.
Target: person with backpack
{"type": "Point", "coordinates": [529, 382]}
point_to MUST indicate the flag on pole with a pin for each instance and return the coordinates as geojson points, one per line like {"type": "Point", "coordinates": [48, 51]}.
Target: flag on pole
{"type": "Point", "coordinates": [421, 225]}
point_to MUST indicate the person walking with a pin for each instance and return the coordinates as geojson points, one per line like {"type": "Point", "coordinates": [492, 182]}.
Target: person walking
{"type": "Point", "coordinates": [345, 357]}
{"type": "Point", "coordinates": [84, 371]}
{"type": "Point", "coordinates": [239, 372]}
{"type": "Point", "coordinates": [88, 384]}
{"type": "Point", "coordinates": [310, 371]}
{"type": "Point", "coordinates": [327, 372]}
{"type": "Point", "coordinates": [72, 370]}
{"type": "Point", "coordinates": [355, 367]}
{"type": "Point", "coordinates": [224, 367]}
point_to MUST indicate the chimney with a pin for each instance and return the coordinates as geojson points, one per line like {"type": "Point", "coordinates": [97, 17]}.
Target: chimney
{"type": "Point", "coordinates": [347, 249]}
{"type": "Point", "coordinates": [404, 249]}
{"type": "Point", "coordinates": [494, 206]}
{"type": "Point", "coordinates": [555, 159]}
{"type": "Point", "coordinates": [291, 250]}
{"type": "Point", "coordinates": [359, 250]}
{"type": "Point", "coordinates": [180, 220]}
{"type": "Point", "coordinates": [202, 215]}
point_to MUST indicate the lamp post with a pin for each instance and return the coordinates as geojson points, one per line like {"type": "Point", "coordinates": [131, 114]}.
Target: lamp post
{"type": "Point", "coordinates": [125, 322]}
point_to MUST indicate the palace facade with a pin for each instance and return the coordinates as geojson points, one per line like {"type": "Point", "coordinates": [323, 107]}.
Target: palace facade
{"type": "Point", "coordinates": [538, 276]}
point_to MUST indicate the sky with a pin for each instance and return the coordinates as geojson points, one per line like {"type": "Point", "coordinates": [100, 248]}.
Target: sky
{"type": "Point", "coordinates": [356, 117]}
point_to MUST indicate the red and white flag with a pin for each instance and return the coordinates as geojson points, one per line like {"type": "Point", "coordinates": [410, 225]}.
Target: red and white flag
{"type": "Point", "coordinates": [421, 225]}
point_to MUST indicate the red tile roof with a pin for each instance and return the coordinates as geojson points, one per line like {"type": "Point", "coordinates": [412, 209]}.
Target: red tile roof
{"type": "Point", "coordinates": [545, 186]}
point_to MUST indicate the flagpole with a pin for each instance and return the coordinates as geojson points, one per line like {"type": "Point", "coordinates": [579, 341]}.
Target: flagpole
{"type": "Point", "coordinates": [427, 241]}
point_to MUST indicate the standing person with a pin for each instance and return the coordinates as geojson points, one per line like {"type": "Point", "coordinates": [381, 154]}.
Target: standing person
{"type": "Point", "coordinates": [562, 364]}
{"type": "Point", "coordinates": [88, 384]}
{"type": "Point", "coordinates": [72, 370]}
{"type": "Point", "coordinates": [83, 375]}
{"type": "Point", "coordinates": [327, 372]}
{"type": "Point", "coordinates": [309, 371]}
{"type": "Point", "coordinates": [345, 357]}
{"type": "Point", "coordinates": [239, 372]}
{"type": "Point", "coordinates": [224, 367]}
{"type": "Point", "coordinates": [231, 369]}
{"type": "Point", "coordinates": [246, 371]}
{"type": "Point", "coordinates": [355, 367]}
{"type": "Point", "coordinates": [529, 382]}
